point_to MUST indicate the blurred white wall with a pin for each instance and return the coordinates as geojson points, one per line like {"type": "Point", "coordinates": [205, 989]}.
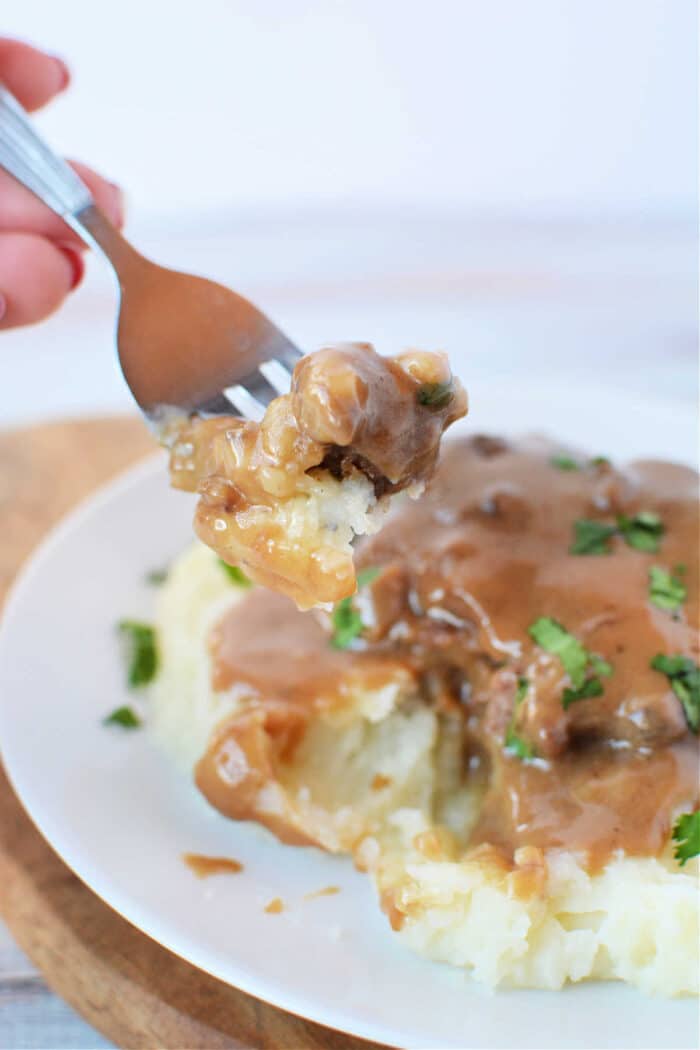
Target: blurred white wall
{"type": "Point", "coordinates": [542, 107]}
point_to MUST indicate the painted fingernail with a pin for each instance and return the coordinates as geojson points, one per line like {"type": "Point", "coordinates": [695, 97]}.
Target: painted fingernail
{"type": "Point", "coordinates": [3, 306]}
{"type": "Point", "coordinates": [118, 215]}
{"type": "Point", "coordinates": [63, 73]}
{"type": "Point", "coordinates": [77, 263]}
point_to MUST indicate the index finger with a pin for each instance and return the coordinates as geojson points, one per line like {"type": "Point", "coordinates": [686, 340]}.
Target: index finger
{"type": "Point", "coordinates": [21, 211]}
{"type": "Point", "coordinates": [32, 76]}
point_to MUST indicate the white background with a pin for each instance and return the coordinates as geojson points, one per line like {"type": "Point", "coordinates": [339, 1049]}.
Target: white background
{"type": "Point", "coordinates": [512, 106]}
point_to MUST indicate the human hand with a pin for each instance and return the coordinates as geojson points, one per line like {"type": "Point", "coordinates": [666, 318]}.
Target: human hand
{"type": "Point", "coordinates": [41, 259]}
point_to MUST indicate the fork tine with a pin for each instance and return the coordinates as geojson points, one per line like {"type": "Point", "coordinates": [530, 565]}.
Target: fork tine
{"type": "Point", "coordinates": [245, 404]}
{"type": "Point", "coordinates": [287, 356]}
{"type": "Point", "coordinates": [259, 387]}
{"type": "Point", "coordinates": [277, 374]}
{"type": "Point", "coordinates": [220, 405]}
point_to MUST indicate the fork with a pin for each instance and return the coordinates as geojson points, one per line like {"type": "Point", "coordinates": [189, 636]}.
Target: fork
{"type": "Point", "coordinates": [186, 345]}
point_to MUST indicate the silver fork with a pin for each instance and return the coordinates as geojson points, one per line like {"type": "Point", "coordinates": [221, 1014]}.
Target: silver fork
{"type": "Point", "coordinates": [186, 345]}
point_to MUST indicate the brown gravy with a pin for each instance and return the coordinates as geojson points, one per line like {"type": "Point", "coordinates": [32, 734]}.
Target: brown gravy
{"type": "Point", "coordinates": [485, 553]}
{"type": "Point", "coordinates": [595, 802]}
{"type": "Point", "coordinates": [204, 866]}
{"type": "Point", "coordinates": [327, 891]}
{"type": "Point", "coordinates": [464, 573]}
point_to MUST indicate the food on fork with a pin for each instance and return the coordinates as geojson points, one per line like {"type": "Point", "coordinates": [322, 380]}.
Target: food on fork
{"type": "Point", "coordinates": [500, 727]}
{"type": "Point", "coordinates": [283, 499]}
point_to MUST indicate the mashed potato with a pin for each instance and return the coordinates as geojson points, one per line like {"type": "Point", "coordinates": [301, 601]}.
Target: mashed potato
{"type": "Point", "coordinates": [378, 781]}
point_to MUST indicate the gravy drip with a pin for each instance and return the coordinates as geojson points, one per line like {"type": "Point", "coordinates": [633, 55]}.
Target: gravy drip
{"type": "Point", "coordinates": [203, 866]}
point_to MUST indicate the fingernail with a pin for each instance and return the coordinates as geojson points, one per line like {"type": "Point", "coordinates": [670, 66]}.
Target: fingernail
{"type": "Point", "coordinates": [63, 73]}
{"type": "Point", "coordinates": [3, 306]}
{"type": "Point", "coordinates": [77, 263]}
{"type": "Point", "coordinates": [118, 216]}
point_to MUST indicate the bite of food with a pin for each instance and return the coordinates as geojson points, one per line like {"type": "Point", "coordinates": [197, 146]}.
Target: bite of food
{"type": "Point", "coordinates": [284, 498]}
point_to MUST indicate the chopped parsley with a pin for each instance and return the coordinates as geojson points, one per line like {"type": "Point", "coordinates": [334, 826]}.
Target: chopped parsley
{"type": "Point", "coordinates": [156, 577]}
{"type": "Point", "coordinates": [583, 668]}
{"type": "Point", "coordinates": [591, 687]}
{"type": "Point", "coordinates": [555, 639]}
{"type": "Point", "coordinates": [366, 576]}
{"type": "Point", "coordinates": [521, 693]}
{"type": "Point", "coordinates": [686, 835]}
{"type": "Point", "coordinates": [125, 717]}
{"type": "Point", "coordinates": [235, 574]}
{"type": "Point", "coordinates": [347, 624]}
{"type": "Point", "coordinates": [665, 590]}
{"type": "Point", "coordinates": [564, 463]}
{"type": "Point", "coordinates": [684, 676]}
{"type": "Point", "coordinates": [515, 743]}
{"type": "Point", "coordinates": [591, 537]}
{"type": "Point", "coordinates": [600, 666]}
{"type": "Point", "coordinates": [346, 620]}
{"type": "Point", "coordinates": [518, 746]}
{"type": "Point", "coordinates": [642, 531]}
{"type": "Point", "coordinates": [435, 395]}
{"type": "Point", "coordinates": [141, 653]}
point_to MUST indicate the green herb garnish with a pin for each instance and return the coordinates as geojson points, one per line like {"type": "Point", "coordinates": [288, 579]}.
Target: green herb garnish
{"type": "Point", "coordinates": [600, 666]}
{"type": "Point", "coordinates": [125, 717]}
{"type": "Point", "coordinates": [235, 574]}
{"type": "Point", "coordinates": [642, 531]}
{"type": "Point", "coordinates": [665, 590]}
{"type": "Point", "coordinates": [684, 676]}
{"type": "Point", "coordinates": [564, 463]}
{"type": "Point", "coordinates": [518, 746]}
{"type": "Point", "coordinates": [591, 537]}
{"type": "Point", "coordinates": [346, 620]}
{"type": "Point", "coordinates": [141, 653]}
{"type": "Point", "coordinates": [600, 461]}
{"type": "Point", "coordinates": [591, 687]}
{"type": "Point", "coordinates": [435, 395]}
{"type": "Point", "coordinates": [555, 639]}
{"type": "Point", "coordinates": [347, 624]}
{"type": "Point", "coordinates": [686, 835]}
{"type": "Point", "coordinates": [156, 577]}
{"type": "Point", "coordinates": [366, 576]}
{"type": "Point", "coordinates": [521, 692]}
{"type": "Point", "coordinates": [583, 668]}
{"type": "Point", "coordinates": [515, 743]}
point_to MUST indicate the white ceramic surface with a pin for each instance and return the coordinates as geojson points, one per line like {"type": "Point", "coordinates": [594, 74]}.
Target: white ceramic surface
{"type": "Point", "coordinates": [120, 815]}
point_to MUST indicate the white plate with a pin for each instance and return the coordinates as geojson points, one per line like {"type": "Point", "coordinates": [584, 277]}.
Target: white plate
{"type": "Point", "coordinates": [120, 815]}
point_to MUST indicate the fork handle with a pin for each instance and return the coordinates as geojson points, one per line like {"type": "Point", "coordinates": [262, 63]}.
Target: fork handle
{"type": "Point", "coordinates": [25, 155]}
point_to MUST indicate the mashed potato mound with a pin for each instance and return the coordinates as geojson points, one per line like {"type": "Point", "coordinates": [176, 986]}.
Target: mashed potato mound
{"type": "Point", "coordinates": [544, 920]}
{"type": "Point", "coordinates": [378, 781]}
